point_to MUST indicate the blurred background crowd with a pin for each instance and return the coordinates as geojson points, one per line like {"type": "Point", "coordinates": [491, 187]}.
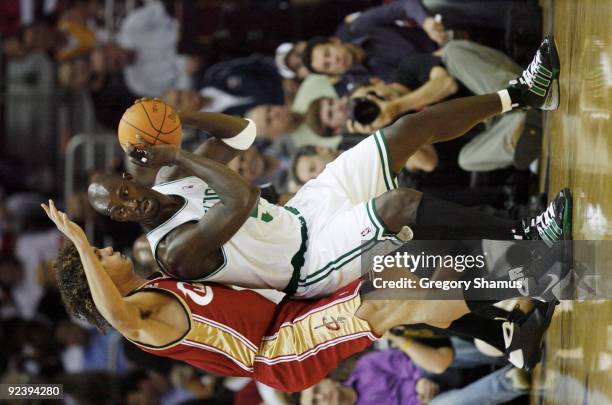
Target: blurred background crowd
{"type": "Point", "coordinates": [316, 76]}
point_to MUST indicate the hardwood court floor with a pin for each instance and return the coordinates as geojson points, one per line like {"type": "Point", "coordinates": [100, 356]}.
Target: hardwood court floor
{"type": "Point", "coordinates": [578, 144]}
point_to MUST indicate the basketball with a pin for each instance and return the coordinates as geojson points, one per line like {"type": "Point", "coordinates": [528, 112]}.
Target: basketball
{"type": "Point", "coordinates": [155, 121]}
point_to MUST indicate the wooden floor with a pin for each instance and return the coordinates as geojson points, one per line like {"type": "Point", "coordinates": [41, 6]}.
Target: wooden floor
{"type": "Point", "coordinates": [577, 368]}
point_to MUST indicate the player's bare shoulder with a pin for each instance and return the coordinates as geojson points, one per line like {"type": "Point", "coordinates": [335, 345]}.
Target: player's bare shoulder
{"type": "Point", "coordinates": [173, 253]}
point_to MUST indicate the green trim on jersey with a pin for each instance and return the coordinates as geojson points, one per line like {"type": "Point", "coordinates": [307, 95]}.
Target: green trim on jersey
{"type": "Point", "coordinates": [382, 233]}
{"type": "Point", "coordinates": [175, 181]}
{"type": "Point", "coordinates": [298, 259]}
{"type": "Point", "coordinates": [338, 263]}
{"type": "Point", "coordinates": [385, 160]}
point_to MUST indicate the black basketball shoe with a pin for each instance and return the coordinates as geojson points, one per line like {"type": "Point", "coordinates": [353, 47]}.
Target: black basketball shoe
{"type": "Point", "coordinates": [553, 224]}
{"type": "Point", "coordinates": [524, 338]}
{"type": "Point", "coordinates": [546, 262]}
{"type": "Point", "coordinates": [538, 85]}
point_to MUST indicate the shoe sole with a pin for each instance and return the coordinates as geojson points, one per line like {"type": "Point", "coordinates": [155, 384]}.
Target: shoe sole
{"type": "Point", "coordinates": [552, 100]}
{"type": "Point", "coordinates": [537, 355]}
{"type": "Point", "coordinates": [567, 214]}
{"type": "Point", "coordinates": [566, 239]}
{"type": "Point", "coordinates": [568, 248]}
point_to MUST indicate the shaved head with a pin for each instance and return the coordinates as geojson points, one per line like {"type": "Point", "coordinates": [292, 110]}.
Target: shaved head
{"type": "Point", "coordinates": [123, 199]}
{"type": "Point", "coordinates": [99, 192]}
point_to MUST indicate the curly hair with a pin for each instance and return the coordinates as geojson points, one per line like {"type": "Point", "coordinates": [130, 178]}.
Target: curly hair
{"type": "Point", "coordinates": [73, 287]}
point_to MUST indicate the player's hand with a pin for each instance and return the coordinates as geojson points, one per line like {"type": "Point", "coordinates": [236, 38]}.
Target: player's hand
{"type": "Point", "coordinates": [153, 156]}
{"type": "Point", "coordinates": [141, 99]}
{"type": "Point", "coordinates": [355, 127]}
{"type": "Point", "coordinates": [426, 389]}
{"type": "Point", "coordinates": [435, 30]}
{"type": "Point", "coordinates": [64, 224]}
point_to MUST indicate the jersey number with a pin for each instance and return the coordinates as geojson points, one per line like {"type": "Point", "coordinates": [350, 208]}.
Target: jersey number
{"type": "Point", "coordinates": [200, 294]}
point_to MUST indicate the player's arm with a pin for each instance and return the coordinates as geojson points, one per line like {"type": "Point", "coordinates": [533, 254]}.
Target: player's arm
{"type": "Point", "coordinates": [438, 123]}
{"type": "Point", "coordinates": [192, 253]}
{"type": "Point", "coordinates": [238, 198]}
{"type": "Point", "coordinates": [220, 126]}
{"type": "Point", "coordinates": [439, 86]}
{"type": "Point", "coordinates": [433, 359]}
{"type": "Point", "coordinates": [425, 159]}
{"type": "Point", "coordinates": [107, 298]}
{"type": "Point", "coordinates": [221, 222]}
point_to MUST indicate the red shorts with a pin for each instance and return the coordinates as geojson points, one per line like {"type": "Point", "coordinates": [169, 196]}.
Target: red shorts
{"type": "Point", "coordinates": [309, 338]}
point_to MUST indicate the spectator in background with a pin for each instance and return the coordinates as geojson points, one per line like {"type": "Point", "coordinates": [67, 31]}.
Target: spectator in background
{"type": "Point", "coordinates": [39, 36]}
{"type": "Point", "coordinates": [74, 74]}
{"type": "Point", "coordinates": [253, 76]}
{"type": "Point", "coordinates": [327, 116]}
{"type": "Point", "coordinates": [208, 99]}
{"type": "Point", "coordinates": [262, 168]}
{"type": "Point", "coordinates": [312, 88]}
{"type": "Point", "coordinates": [146, 53]}
{"type": "Point", "coordinates": [372, 45]}
{"type": "Point", "coordinates": [389, 377]}
{"type": "Point", "coordinates": [368, 108]}
{"type": "Point", "coordinates": [36, 245]}
{"type": "Point", "coordinates": [466, 68]}
{"type": "Point", "coordinates": [141, 387]}
{"type": "Point", "coordinates": [29, 106]}
{"type": "Point", "coordinates": [272, 121]}
{"type": "Point", "coordinates": [288, 60]}
{"type": "Point", "coordinates": [11, 273]}
{"type": "Point", "coordinates": [414, 374]}
{"type": "Point", "coordinates": [232, 87]}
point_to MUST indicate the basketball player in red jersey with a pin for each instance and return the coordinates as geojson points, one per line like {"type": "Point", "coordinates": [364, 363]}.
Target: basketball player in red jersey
{"type": "Point", "coordinates": [289, 346]}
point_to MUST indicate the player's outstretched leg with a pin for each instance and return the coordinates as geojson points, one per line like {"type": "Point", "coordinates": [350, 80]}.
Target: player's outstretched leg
{"type": "Point", "coordinates": [431, 218]}
{"type": "Point", "coordinates": [522, 334]}
{"type": "Point", "coordinates": [537, 87]}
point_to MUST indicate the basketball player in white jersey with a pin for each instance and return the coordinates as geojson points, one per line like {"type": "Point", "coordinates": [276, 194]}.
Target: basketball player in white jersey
{"type": "Point", "coordinates": [212, 225]}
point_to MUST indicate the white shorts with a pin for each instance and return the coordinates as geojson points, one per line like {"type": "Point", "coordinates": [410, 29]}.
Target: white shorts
{"type": "Point", "coordinates": [341, 217]}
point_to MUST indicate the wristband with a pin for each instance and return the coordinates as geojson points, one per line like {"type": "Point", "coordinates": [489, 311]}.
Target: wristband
{"type": "Point", "coordinates": [244, 139]}
{"type": "Point", "coordinates": [505, 99]}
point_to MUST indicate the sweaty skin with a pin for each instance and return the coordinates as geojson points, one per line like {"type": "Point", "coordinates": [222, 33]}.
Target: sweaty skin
{"type": "Point", "coordinates": [192, 250]}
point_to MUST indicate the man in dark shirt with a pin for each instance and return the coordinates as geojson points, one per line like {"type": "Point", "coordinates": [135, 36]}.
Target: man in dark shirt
{"type": "Point", "coordinates": [373, 44]}
{"type": "Point", "coordinates": [473, 69]}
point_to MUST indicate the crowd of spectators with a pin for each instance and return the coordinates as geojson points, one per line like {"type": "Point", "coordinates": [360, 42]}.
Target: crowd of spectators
{"type": "Point", "coordinates": [311, 98]}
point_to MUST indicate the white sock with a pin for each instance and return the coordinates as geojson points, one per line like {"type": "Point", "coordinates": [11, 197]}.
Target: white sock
{"type": "Point", "coordinates": [506, 102]}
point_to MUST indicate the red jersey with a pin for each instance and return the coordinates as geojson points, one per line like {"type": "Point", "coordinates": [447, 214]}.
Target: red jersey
{"type": "Point", "coordinates": [289, 346]}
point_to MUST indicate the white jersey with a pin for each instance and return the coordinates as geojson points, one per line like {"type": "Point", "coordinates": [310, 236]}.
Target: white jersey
{"type": "Point", "coordinates": [259, 255]}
